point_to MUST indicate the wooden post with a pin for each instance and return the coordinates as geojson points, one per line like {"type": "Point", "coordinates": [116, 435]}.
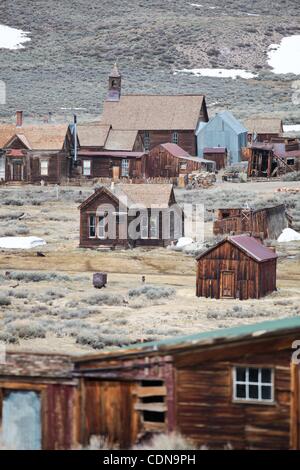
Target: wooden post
{"type": "Point", "coordinates": [295, 410]}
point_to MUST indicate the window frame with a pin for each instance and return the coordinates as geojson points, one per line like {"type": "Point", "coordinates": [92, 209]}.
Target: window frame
{"type": "Point", "coordinates": [42, 170]}
{"type": "Point", "coordinates": [147, 140]}
{"type": "Point", "coordinates": [144, 226]}
{"type": "Point", "coordinates": [175, 137]}
{"type": "Point", "coordinates": [101, 225]}
{"type": "Point", "coordinates": [125, 168]}
{"type": "Point", "coordinates": [247, 383]}
{"type": "Point", "coordinates": [155, 219]}
{"type": "Point", "coordinates": [84, 170]}
{"type": "Point", "coordinates": [94, 225]}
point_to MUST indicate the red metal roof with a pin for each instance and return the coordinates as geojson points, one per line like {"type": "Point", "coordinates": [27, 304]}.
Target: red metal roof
{"type": "Point", "coordinates": [214, 150]}
{"type": "Point", "coordinates": [175, 150]}
{"type": "Point", "coordinates": [113, 153]}
{"type": "Point", "coordinates": [253, 247]}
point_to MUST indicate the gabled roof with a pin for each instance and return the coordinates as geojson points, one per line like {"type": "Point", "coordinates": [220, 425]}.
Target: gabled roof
{"type": "Point", "coordinates": [175, 150]}
{"type": "Point", "coordinates": [37, 137]}
{"type": "Point", "coordinates": [214, 150]}
{"type": "Point", "coordinates": [110, 153]}
{"type": "Point", "coordinates": [264, 125]}
{"type": "Point", "coordinates": [121, 140]}
{"type": "Point", "coordinates": [230, 120]}
{"type": "Point", "coordinates": [154, 112]}
{"type": "Point", "coordinates": [205, 340]}
{"type": "Point", "coordinates": [145, 195]}
{"type": "Point", "coordinates": [92, 134]}
{"type": "Point", "coordinates": [248, 245]}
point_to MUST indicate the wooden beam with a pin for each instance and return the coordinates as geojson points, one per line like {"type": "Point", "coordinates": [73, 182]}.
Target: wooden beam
{"type": "Point", "coordinates": [158, 407]}
{"type": "Point", "coordinates": [294, 417]}
{"type": "Point", "coordinates": [150, 426]}
{"type": "Point", "coordinates": [143, 392]}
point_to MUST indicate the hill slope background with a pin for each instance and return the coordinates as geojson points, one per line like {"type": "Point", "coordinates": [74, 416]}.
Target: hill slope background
{"type": "Point", "coordinates": [75, 43]}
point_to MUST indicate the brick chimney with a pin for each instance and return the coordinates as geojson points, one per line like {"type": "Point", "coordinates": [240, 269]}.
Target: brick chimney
{"type": "Point", "coordinates": [19, 118]}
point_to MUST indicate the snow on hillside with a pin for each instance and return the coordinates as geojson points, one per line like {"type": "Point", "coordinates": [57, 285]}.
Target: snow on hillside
{"type": "Point", "coordinates": [284, 57]}
{"type": "Point", "coordinates": [11, 38]}
{"type": "Point", "coordinates": [219, 73]}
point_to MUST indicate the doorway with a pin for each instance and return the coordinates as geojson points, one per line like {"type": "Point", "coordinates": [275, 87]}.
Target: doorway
{"type": "Point", "coordinates": [17, 171]}
{"type": "Point", "coordinates": [227, 285]}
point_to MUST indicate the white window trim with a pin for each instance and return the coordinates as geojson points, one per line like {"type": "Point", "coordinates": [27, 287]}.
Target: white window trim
{"type": "Point", "coordinates": [86, 170]}
{"type": "Point", "coordinates": [155, 219]}
{"type": "Point", "coordinates": [259, 383]}
{"type": "Point", "coordinates": [101, 225]}
{"type": "Point", "coordinates": [125, 167]}
{"type": "Point", "coordinates": [44, 171]}
{"type": "Point", "coordinates": [95, 225]}
{"type": "Point", "coordinates": [144, 227]}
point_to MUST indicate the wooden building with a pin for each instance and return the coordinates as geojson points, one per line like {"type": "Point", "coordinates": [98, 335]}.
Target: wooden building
{"type": "Point", "coordinates": [238, 267]}
{"type": "Point", "coordinates": [171, 161]}
{"type": "Point", "coordinates": [217, 155]}
{"type": "Point", "coordinates": [35, 153]}
{"type": "Point", "coordinates": [263, 129]}
{"type": "Point", "coordinates": [157, 118]}
{"type": "Point", "coordinates": [234, 387]}
{"type": "Point", "coordinates": [108, 216]}
{"type": "Point", "coordinates": [273, 159]}
{"type": "Point", "coordinates": [267, 222]}
{"type": "Point", "coordinates": [38, 402]}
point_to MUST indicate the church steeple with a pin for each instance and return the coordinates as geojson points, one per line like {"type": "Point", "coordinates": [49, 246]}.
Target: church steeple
{"type": "Point", "coordinates": [114, 84]}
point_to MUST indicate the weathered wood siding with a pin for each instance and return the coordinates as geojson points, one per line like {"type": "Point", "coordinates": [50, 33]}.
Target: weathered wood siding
{"type": "Point", "coordinates": [161, 163]}
{"type": "Point", "coordinates": [102, 166]}
{"type": "Point", "coordinates": [206, 412]}
{"type": "Point", "coordinates": [186, 139]}
{"type": "Point", "coordinates": [251, 279]}
{"type": "Point", "coordinates": [219, 158]}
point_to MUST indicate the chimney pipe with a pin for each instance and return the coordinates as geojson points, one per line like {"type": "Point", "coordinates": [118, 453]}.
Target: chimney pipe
{"type": "Point", "coordinates": [75, 138]}
{"type": "Point", "coordinates": [19, 116]}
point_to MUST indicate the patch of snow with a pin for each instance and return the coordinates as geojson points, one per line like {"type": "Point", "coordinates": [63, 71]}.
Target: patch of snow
{"type": "Point", "coordinates": [184, 241]}
{"type": "Point", "coordinates": [291, 128]}
{"type": "Point", "coordinates": [21, 243]}
{"type": "Point", "coordinates": [11, 38]}
{"type": "Point", "coordinates": [284, 57]}
{"type": "Point", "coordinates": [252, 14]}
{"type": "Point", "coordinates": [219, 73]}
{"type": "Point", "coordinates": [288, 235]}
{"type": "Point", "coordinates": [197, 5]}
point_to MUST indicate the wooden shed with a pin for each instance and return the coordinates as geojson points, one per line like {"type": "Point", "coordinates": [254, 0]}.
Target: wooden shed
{"type": "Point", "coordinates": [236, 387]}
{"type": "Point", "coordinates": [171, 161]}
{"type": "Point", "coordinates": [273, 159]}
{"type": "Point", "coordinates": [263, 129]}
{"type": "Point", "coordinates": [238, 267]}
{"type": "Point", "coordinates": [267, 222]}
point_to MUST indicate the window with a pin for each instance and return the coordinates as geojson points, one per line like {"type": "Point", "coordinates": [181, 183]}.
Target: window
{"type": "Point", "coordinates": [144, 226]}
{"type": "Point", "coordinates": [151, 405]}
{"type": "Point", "coordinates": [154, 226]}
{"type": "Point", "coordinates": [44, 167]}
{"type": "Point", "coordinates": [175, 137]}
{"type": "Point", "coordinates": [183, 165]}
{"type": "Point", "coordinates": [290, 161]}
{"type": "Point", "coordinates": [147, 140]}
{"type": "Point", "coordinates": [125, 168]}
{"type": "Point", "coordinates": [101, 226]}
{"type": "Point", "coordinates": [253, 384]}
{"type": "Point", "coordinates": [87, 167]}
{"type": "Point", "coordinates": [92, 226]}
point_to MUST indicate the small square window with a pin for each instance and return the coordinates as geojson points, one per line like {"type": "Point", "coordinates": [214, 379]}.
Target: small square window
{"type": "Point", "coordinates": [253, 384]}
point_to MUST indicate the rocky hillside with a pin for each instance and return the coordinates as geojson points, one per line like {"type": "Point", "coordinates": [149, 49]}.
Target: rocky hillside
{"type": "Point", "coordinates": [74, 44]}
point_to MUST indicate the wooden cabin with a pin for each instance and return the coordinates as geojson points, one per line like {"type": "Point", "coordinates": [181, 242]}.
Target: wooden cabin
{"type": "Point", "coordinates": [130, 215]}
{"type": "Point", "coordinates": [236, 387]}
{"type": "Point", "coordinates": [171, 161]}
{"type": "Point", "coordinates": [263, 129]}
{"type": "Point", "coordinates": [35, 153]}
{"type": "Point", "coordinates": [217, 155]}
{"type": "Point", "coordinates": [267, 222]}
{"type": "Point", "coordinates": [38, 402]}
{"type": "Point", "coordinates": [273, 159]}
{"type": "Point", "coordinates": [238, 267]}
{"type": "Point", "coordinates": [156, 118]}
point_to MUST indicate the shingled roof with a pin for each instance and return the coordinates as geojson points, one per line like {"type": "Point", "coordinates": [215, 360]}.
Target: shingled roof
{"type": "Point", "coordinates": [92, 134]}
{"type": "Point", "coordinates": [121, 140]}
{"type": "Point", "coordinates": [154, 112]}
{"type": "Point", "coordinates": [264, 125]}
{"type": "Point", "coordinates": [35, 137]}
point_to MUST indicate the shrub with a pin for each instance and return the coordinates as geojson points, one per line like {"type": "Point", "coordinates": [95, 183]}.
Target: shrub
{"type": "Point", "coordinates": [105, 299]}
{"type": "Point", "coordinates": [27, 330]}
{"type": "Point", "coordinates": [152, 292]}
{"type": "Point", "coordinates": [7, 337]}
{"type": "Point", "coordinates": [294, 176]}
{"type": "Point", "coordinates": [90, 338]}
{"type": "Point", "coordinates": [173, 441]}
{"type": "Point", "coordinates": [4, 301]}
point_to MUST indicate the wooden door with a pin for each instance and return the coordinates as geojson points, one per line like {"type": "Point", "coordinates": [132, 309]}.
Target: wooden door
{"type": "Point", "coordinates": [116, 172]}
{"type": "Point", "coordinates": [17, 171]}
{"type": "Point", "coordinates": [227, 285]}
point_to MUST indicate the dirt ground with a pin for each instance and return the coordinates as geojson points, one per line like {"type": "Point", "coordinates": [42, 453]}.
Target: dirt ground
{"type": "Point", "coordinates": [49, 304]}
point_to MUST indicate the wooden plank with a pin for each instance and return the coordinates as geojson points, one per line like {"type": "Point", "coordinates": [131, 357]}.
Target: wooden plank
{"type": "Point", "coordinates": [159, 407]}
{"type": "Point", "coordinates": [294, 417]}
{"type": "Point", "coordinates": [149, 426]}
{"type": "Point", "coordinates": [143, 392]}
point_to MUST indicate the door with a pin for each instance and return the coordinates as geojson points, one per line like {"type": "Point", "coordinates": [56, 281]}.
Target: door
{"type": "Point", "coordinates": [17, 171]}
{"type": "Point", "coordinates": [21, 420]}
{"type": "Point", "coordinates": [116, 173]}
{"type": "Point", "coordinates": [227, 285]}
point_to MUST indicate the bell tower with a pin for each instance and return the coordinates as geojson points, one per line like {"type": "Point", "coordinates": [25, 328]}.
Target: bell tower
{"type": "Point", "coordinates": [114, 85]}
